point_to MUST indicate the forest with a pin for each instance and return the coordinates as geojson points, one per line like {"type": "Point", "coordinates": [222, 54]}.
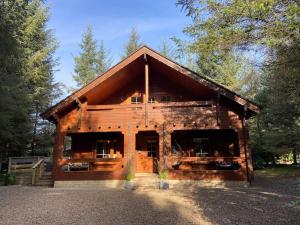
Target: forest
{"type": "Point", "coordinates": [250, 47]}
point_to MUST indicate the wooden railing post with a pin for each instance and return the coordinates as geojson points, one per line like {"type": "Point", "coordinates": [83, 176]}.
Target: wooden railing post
{"type": "Point", "coordinates": [9, 165]}
{"type": "Point", "coordinates": [37, 171]}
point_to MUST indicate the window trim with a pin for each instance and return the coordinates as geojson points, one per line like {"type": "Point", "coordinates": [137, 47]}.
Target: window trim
{"type": "Point", "coordinates": [102, 155]}
{"type": "Point", "coordinates": [136, 99]}
{"type": "Point", "coordinates": [152, 99]}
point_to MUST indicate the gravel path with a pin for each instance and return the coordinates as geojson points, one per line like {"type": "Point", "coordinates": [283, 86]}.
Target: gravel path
{"type": "Point", "coordinates": [267, 202]}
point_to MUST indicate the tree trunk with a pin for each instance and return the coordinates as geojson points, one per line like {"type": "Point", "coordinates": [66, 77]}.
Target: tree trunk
{"type": "Point", "coordinates": [34, 132]}
{"type": "Point", "coordinates": [294, 152]}
{"type": "Point", "coordinates": [273, 160]}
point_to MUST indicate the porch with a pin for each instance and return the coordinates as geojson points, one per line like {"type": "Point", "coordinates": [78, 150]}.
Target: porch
{"type": "Point", "coordinates": [205, 154]}
{"type": "Point", "coordinates": [187, 154]}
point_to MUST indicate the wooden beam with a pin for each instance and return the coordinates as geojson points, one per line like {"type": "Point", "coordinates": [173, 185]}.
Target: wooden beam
{"type": "Point", "coordinates": [147, 82]}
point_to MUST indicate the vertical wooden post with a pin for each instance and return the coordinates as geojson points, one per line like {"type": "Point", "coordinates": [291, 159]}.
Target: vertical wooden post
{"type": "Point", "coordinates": [146, 89]}
{"type": "Point", "coordinates": [58, 148]}
{"type": "Point", "coordinates": [244, 124]}
{"type": "Point", "coordinates": [147, 82]}
{"type": "Point", "coordinates": [164, 146]}
{"type": "Point", "coordinates": [9, 165]}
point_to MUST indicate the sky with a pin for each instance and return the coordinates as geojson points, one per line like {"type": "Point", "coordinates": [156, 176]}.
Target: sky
{"type": "Point", "coordinates": [112, 21]}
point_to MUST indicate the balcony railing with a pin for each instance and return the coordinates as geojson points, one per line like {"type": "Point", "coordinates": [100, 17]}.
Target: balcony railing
{"type": "Point", "coordinates": [151, 113]}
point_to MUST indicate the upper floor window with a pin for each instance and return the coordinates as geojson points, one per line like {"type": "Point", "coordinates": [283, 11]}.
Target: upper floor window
{"type": "Point", "coordinates": [152, 100]}
{"type": "Point", "coordinates": [165, 98]}
{"type": "Point", "coordinates": [136, 100]}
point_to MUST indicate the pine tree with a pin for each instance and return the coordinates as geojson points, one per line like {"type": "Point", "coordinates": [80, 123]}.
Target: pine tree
{"type": "Point", "coordinates": [26, 71]}
{"type": "Point", "coordinates": [281, 115]}
{"type": "Point", "coordinates": [85, 63]}
{"type": "Point", "coordinates": [103, 60]}
{"type": "Point", "coordinates": [272, 26]}
{"type": "Point", "coordinates": [14, 104]}
{"type": "Point", "coordinates": [40, 46]}
{"type": "Point", "coordinates": [166, 50]}
{"type": "Point", "coordinates": [91, 62]}
{"type": "Point", "coordinates": [133, 43]}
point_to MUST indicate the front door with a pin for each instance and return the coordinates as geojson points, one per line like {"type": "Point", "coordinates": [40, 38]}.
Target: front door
{"type": "Point", "coordinates": [147, 154]}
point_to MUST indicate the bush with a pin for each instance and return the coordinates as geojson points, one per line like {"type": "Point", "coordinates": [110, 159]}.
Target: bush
{"type": "Point", "coordinates": [129, 174]}
{"type": "Point", "coordinates": [9, 179]}
{"type": "Point", "coordinates": [163, 175]}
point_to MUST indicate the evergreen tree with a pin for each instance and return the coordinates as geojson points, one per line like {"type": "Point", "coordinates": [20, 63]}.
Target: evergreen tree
{"type": "Point", "coordinates": [133, 43]}
{"type": "Point", "coordinates": [239, 24]}
{"type": "Point", "coordinates": [166, 50]}
{"type": "Point", "coordinates": [85, 63]}
{"type": "Point", "coordinates": [39, 46]}
{"type": "Point", "coordinates": [91, 61]}
{"type": "Point", "coordinates": [26, 73]}
{"type": "Point", "coordinates": [14, 104]}
{"type": "Point", "coordinates": [279, 120]}
{"type": "Point", "coordinates": [103, 60]}
{"type": "Point", "coordinates": [271, 26]}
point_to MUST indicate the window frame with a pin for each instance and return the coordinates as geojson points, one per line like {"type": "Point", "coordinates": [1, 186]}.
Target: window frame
{"type": "Point", "coordinates": [152, 99]}
{"type": "Point", "coordinates": [136, 99]}
{"type": "Point", "coordinates": [103, 154]}
{"type": "Point", "coordinates": [153, 151]}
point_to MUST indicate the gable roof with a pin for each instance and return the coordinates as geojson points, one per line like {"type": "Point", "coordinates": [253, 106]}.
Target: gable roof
{"type": "Point", "coordinates": [145, 50]}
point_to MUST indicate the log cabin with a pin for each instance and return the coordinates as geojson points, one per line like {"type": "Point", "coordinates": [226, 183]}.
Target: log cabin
{"type": "Point", "coordinates": [146, 114]}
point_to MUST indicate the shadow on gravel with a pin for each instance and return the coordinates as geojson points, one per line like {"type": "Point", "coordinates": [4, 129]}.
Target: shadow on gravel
{"type": "Point", "coordinates": [267, 201]}
{"type": "Point", "coordinates": [32, 205]}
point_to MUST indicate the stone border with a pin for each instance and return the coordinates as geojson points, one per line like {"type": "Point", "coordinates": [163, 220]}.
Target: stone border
{"type": "Point", "coordinates": [207, 183]}
{"type": "Point", "coordinates": [89, 184]}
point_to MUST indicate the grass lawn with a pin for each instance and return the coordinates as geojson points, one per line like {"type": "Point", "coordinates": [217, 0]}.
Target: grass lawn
{"type": "Point", "coordinates": [280, 171]}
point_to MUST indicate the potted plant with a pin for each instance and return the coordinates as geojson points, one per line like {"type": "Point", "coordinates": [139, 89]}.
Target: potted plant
{"type": "Point", "coordinates": [129, 178]}
{"type": "Point", "coordinates": [163, 176]}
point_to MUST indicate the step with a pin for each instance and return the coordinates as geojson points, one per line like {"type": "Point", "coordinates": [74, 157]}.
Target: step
{"type": "Point", "coordinates": [46, 177]}
{"type": "Point", "coordinates": [44, 183]}
{"type": "Point", "coordinates": [146, 180]}
{"type": "Point", "coordinates": [146, 175]}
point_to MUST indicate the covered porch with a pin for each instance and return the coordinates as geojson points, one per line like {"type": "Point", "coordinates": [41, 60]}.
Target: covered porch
{"type": "Point", "coordinates": [92, 155]}
{"type": "Point", "coordinates": [205, 154]}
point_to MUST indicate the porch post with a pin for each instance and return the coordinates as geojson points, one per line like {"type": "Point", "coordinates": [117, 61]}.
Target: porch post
{"type": "Point", "coordinates": [164, 146]}
{"type": "Point", "coordinates": [58, 148]}
{"type": "Point", "coordinates": [146, 79]}
{"type": "Point", "coordinates": [129, 143]}
{"type": "Point", "coordinates": [249, 166]}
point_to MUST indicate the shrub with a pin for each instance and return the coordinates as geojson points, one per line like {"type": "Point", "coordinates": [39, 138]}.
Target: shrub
{"type": "Point", "coordinates": [163, 175]}
{"type": "Point", "coordinates": [129, 174]}
{"type": "Point", "coordinates": [9, 179]}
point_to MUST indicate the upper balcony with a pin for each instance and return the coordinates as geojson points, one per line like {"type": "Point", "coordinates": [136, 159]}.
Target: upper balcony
{"type": "Point", "coordinates": [201, 113]}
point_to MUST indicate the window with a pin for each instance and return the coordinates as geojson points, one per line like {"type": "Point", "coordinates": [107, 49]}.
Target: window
{"type": "Point", "coordinates": [151, 148]}
{"type": "Point", "coordinates": [152, 100]}
{"type": "Point", "coordinates": [103, 149]}
{"type": "Point", "coordinates": [201, 147]}
{"type": "Point", "coordinates": [165, 98]}
{"type": "Point", "coordinates": [136, 100]}
{"type": "Point", "coordinates": [67, 147]}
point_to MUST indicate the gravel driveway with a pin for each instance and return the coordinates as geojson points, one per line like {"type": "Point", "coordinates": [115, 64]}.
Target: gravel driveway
{"type": "Point", "coordinates": [267, 202]}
